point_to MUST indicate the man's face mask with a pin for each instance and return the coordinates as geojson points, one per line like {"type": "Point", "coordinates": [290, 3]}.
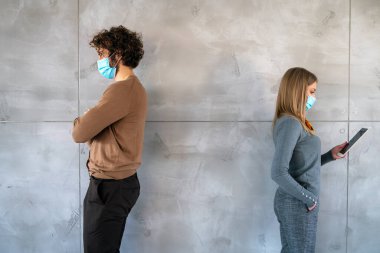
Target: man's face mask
{"type": "Point", "coordinates": [105, 69]}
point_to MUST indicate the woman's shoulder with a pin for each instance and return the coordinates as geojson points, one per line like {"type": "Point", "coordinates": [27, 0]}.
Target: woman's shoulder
{"type": "Point", "coordinates": [288, 121]}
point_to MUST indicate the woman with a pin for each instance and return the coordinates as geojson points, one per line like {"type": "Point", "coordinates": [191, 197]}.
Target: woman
{"type": "Point", "coordinates": [297, 161]}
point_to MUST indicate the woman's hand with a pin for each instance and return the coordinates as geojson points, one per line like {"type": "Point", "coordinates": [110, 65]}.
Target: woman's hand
{"type": "Point", "coordinates": [336, 149]}
{"type": "Point", "coordinates": [312, 207]}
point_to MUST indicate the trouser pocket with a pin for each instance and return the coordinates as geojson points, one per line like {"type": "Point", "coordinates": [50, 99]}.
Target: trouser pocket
{"type": "Point", "coordinates": [94, 190]}
{"type": "Point", "coordinates": [129, 192]}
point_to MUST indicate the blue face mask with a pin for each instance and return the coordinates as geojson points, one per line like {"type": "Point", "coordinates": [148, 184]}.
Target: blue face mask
{"type": "Point", "coordinates": [310, 102]}
{"type": "Point", "coordinates": [105, 69]}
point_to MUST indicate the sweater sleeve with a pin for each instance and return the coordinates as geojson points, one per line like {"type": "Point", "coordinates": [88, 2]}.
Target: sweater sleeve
{"type": "Point", "coordinates": [286, 135]}
{"type": "Point", "coordinates": [113, 105]}
{"type": "Point", "coordinates": [326, 158]}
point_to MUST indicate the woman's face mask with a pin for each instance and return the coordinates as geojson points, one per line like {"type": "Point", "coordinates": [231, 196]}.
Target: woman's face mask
{"type": "Point", "coordinates": [310, 102]}
{"type": "Point", "coordinates": [311, 90]}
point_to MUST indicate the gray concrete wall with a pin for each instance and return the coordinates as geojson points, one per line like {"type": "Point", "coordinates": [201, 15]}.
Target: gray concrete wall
{"type": "Point", "coordinates": [211, 70]}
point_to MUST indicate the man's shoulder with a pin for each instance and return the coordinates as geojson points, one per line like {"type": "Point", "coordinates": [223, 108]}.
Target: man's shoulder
{"type": "Point", "coordinates": [127, 84]}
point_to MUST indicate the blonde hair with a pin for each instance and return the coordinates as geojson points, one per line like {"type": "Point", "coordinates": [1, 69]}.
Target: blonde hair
{"type": "Point", "coordinates": [292, 95]}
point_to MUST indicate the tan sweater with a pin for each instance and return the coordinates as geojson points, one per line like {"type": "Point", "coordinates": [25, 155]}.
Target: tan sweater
{"type": "Point", "coordinates": [114, 129]}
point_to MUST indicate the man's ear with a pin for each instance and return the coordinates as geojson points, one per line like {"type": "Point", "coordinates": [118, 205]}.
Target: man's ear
{"type": "Point", "coordinates": [118, 59]}
{"type": "Point", "coordinates": [114, 60]}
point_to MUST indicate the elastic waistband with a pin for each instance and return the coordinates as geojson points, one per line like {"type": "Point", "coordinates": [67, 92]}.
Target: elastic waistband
{"type": "Point", "coordinates": [113, 180]}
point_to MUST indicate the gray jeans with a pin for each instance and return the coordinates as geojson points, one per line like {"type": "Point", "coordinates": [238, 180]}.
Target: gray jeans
{"type": "Point", "coordinates": [298, 227]}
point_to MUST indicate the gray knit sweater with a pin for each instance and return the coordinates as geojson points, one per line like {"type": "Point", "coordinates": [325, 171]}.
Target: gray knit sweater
{"type": "Point", "coordinates": [297, 160]}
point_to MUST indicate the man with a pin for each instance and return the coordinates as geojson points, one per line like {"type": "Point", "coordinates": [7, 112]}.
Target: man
{"type": "Point", "coordinates": [114, 130]}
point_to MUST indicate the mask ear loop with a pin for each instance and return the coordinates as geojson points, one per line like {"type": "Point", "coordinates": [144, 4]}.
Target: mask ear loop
{"type": "Point", "coordinates": [116, 66]}
{"type": "Point", "coordinates": [117, 63]}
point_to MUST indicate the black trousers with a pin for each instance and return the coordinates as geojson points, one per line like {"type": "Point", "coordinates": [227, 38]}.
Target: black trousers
{"type": "Point", "coordinates": [105, 210]}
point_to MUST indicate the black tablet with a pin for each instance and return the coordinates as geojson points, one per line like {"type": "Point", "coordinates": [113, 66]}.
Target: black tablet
{"type": "Point", "coordinates": [352, 142]}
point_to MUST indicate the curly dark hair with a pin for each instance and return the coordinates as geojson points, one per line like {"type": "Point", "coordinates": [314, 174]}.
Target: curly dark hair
{"type": "Point", "coordinates": [120, 41]}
